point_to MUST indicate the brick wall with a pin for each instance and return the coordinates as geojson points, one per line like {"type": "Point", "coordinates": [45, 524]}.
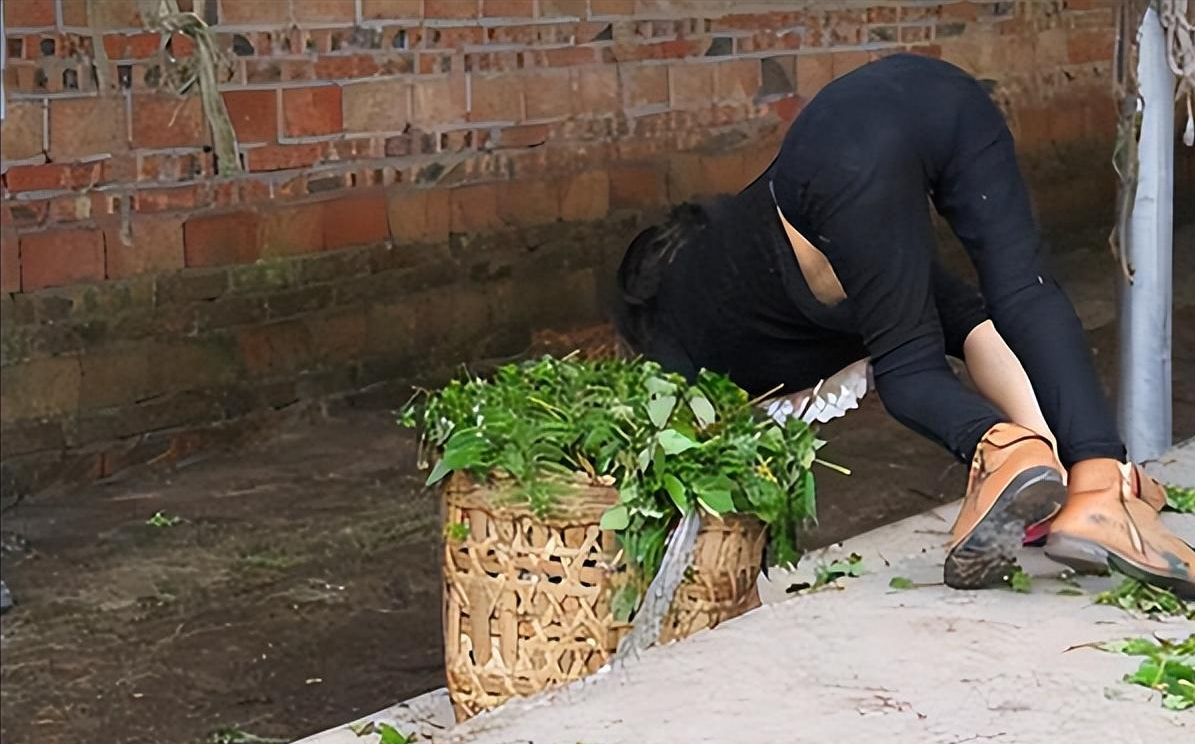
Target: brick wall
{"type": "Point", "coordinates": [424, 181]}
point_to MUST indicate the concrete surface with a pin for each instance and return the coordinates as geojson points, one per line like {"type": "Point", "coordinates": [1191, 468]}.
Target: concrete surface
{"type": "Point", "coordinates": [864, 662]}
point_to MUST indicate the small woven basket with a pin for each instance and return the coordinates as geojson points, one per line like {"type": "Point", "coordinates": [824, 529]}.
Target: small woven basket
{"type": "Point", "coordinates": [527, 599]}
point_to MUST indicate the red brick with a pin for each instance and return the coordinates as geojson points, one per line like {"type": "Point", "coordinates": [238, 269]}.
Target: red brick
{"type": "Point", "coordinates": [585, 196]}
{"type": "Point", "coordinates": [254, 114]}
{"type": "Point", "coordinates": [74, 12]}
{"type": "Point", "coordinates": [597, 89]}
{"type": "Point", "coordinates": [843, 62]}
{"type": "Point", "coordinates": [144, 45]}
{"type": "Point", "coordinates": [234, 12]}
{"type": "Point", "coordinates": [169, 199]}
{"type": "Point", "coordinates": [283, 157]}
{"type": "Point", "coordinates": [292, 230]}
{"type": "Point", "coordinates": [51, 176]}
{"type": "Point", "coordinates": [611, 7]}
{"type": "Point", "coordinates": [962, 11]}
{"type": "Point", "coordinates": [497, 97]}
{"type": "Point", "coordinates": [222, 239]}
{"type": "Point", "coordinates": [276, 348]}
{"type": "Point", "coordinates": [86, 126]}
{"type": "Point", "coordinates": [568, 56]}
{"type": "Point", "coordinates": [1089, 46]}
{"type": "Point", "coordinates": [308, 11]}
{"type": "Point", "coordinates": [570, 8]}
{"type": "Point", "coordinates": [343, 66]}
{"type": "Point", "coordinates": [311, 111]}
{"type": "Point", "coordinates": [737, 80]}
{"type": "Point", "coordinates": [376, 106]}
{"type": "Point", "coordinates": [168, 121]}
{"type": "Point", "coordinates": [475, 208]}
{"type": "Point", "coordinates": [420, 215]}
{"type": "Point", "coordinates": [28, 13]}
{"type": "Point", "coordinates": [646, 85]}
{"type": "Point", "coordinates": [692, 86]}
{"type": "Point", "coordinates": [155, 244]}
{"type": "Point", "coordinates": [455, 9]}
{"type": "Point", "coordinates": [814, 71]}
{"type": "Point", "coordinates": [524, 203]}
{"type": "Point", "coordinates": [357, 219]}
{"type": "Point", "coordinates": [508, 8]}
{"type": "Point", "coordinates": [637, 188]}
{"type": "Point", "coordinates": [57, 258]}
{"type": "Point", "coordinates": [10, 261]}
{"type": "Point", "coordinates": [22, 130]}
{"type": "Point", "coordinates": [388, 9]}
{"type": "Point", "coordinates": [788, 107]}
{"type": "Point", "coordinates": [438, 100]}
{"type": "Point", "coordinates": [110, 14]}
{"type": "Point", "coordinates": [548, 93]}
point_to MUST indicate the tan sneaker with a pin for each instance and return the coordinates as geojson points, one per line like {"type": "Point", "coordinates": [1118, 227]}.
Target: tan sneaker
{"type": "Point", "coordinates": [1110, 522]}
{"type": "Point", "coordinates": [1015, 482]}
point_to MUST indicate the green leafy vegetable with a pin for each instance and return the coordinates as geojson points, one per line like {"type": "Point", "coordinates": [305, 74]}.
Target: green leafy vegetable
{"type": "Point", "coordinates": [541, 429]}
{"type": "Point", "coordinates": [901, 583]}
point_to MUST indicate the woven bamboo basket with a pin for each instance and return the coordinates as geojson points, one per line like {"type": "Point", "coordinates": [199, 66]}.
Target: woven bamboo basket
{"type": "Point", "coordinates": [527, 599]}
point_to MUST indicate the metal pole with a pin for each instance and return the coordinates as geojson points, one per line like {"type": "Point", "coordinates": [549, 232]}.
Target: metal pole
{"type": "Point", "coordinates": [1145, 304]}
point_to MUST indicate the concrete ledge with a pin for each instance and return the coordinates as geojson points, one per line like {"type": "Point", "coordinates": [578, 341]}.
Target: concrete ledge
{"type": "Point", "coordinates": [864, 663]}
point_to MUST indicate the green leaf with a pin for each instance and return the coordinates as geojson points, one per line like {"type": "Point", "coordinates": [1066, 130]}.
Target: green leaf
{"type": "Point", "coordinates": [702, 409]}
{"type": "Point", "coordinates": [676, 490]}
{"type": "Point", "coordinates": [901, 583]}
{"type": "Point", "coordinates": [673, 442]}
{"type": "Point", "coordinates": [615, 518]}
{"type": "Point", "coordinates": [1070, 591]}
{"type": "Point", "coordinates": [1180, 499]}
{"type": "Point", "coordinates": [716, 501]}
{"type": "Point", "coordinates": [391, 735]}
{"type": "Point", "coordinates": [438, 473]}
{"type": "Point", "coordinates": [659, 409]}
{"type": "Point", "coordinates": [1019, 581]}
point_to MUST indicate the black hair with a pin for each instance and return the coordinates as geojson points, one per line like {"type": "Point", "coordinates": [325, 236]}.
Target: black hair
{"type": "Point", "coordinates": [642, 272]}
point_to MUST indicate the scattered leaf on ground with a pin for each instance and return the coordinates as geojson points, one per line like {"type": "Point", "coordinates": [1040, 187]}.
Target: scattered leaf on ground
{"type": "Point", "coordinates": [1137, 596]}
{"type": "Point", "coordinates": [237, 735]}
{"type": "Point", "coordinates": [1019, 581]}
{"type": "Point", "coordinates": [900, 582]}
{"type": "Point", "coordinates": [391, 735]}
{"type": "Point", "coordinates": [1167, 667]}
{"type": "Point", "coordinates": [1070, 591]}
{"type": "Point", "coordinates": [1180, 499]}
{"type": "Point", "coordinates": [162, 519]}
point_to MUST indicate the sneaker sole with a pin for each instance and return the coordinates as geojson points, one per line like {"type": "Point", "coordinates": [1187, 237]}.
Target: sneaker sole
{"type": "Point", "coordinates": [987, 556]}
{"type": "Point", "coordinates": [1087, 557]}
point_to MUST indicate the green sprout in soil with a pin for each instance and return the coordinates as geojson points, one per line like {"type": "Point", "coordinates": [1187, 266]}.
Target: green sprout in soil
{"type": "Point", "coordinates": [162, 519]}
{"type": "Point", "coordinates": [538, 431]}
{"type": "Point", "coordinates": [1181, 500]}
{"type": "Point", "coordinates": [1019, 581]}
{"type": "Point", "coordinates": [1167, 667]}
{"type": "Point", "coordinates": [1138, 597]}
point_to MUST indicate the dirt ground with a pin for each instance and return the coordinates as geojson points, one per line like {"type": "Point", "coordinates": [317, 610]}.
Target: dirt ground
{"type": "Point", "coordinates": [300, 588]}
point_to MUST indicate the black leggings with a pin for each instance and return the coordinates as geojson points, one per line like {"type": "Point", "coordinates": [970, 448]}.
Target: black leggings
{"type": "Point", "coordinates": [853, 177]}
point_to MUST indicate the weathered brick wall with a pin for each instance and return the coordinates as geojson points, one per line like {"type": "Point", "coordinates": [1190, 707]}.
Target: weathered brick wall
{"type": "Point", "coordinates": [425, 180]}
